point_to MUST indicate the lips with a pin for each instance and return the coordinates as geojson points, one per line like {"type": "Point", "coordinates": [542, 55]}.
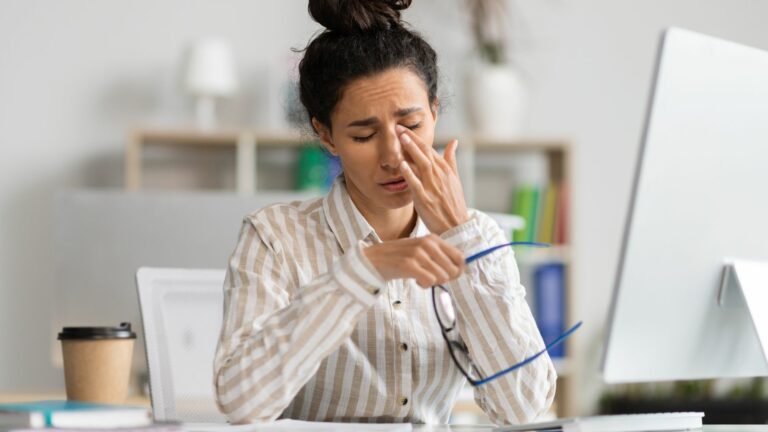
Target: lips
{"type": "Point", "coordinates": [395, 185]}
{"type": "Point", "coordinates": [396, 180]}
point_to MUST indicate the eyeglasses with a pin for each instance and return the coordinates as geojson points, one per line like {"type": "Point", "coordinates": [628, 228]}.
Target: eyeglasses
{"type": "Point", "coordinates": [446, 316]}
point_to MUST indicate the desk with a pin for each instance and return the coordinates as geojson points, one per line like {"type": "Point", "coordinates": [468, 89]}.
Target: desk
{"type": "Point", "coordinates": [481, 428]}
{"type": "Point", "coordinates": [476, 428]}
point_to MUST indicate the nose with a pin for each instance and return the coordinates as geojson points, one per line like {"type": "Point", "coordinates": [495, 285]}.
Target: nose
{"type": "Point", "coordinates": [391, 153]}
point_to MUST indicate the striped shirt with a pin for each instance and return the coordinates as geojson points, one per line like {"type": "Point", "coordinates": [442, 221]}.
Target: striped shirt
{"type": "Point", "coordinates": [312, 331]}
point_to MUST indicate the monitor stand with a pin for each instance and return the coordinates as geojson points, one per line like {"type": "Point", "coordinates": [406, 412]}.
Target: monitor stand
{"type": "Point", "coordinates": [751, 278]}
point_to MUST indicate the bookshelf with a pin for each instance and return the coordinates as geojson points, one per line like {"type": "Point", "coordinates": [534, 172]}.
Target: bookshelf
{"type": "Point", "coordinates": [490, 170]}
{"type": "Point", "coordinates": [243, 141]}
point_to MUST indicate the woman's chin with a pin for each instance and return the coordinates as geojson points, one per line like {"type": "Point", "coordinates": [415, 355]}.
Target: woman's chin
{"type": "Point", "coordinates": [395, 201]}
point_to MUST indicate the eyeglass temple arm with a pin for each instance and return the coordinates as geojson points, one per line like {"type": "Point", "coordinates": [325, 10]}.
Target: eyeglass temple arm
{"type": "Point", "coordinates": [551, 345]}
{"type": "Point", "coordinates": [493, 248]}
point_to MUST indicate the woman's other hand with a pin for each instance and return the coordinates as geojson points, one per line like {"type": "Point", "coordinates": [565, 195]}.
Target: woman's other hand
{"type": "Point", "coordinates": [429, 259]}
{"type": "Point", "coordinates": [434, 182]}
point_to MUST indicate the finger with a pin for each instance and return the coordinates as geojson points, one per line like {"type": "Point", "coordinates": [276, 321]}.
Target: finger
{"type": "Point", "coordinates": [440, 161]}
{"type": "Point", "coordinates": [441, 257]}
{"type": "Point", "coordinates": [440, 252]}
{"type": "Point", "coordinates": [450, 155]}
{"type": "Point", "coordinates": [456, 256]}
{"type": "Point", "coordinates": [438, 274]}
{"type": "Point", "coordinates": [442, 274]}
{"type": "Point", "coordinates": [424, 146]}
{"type": "Point", "coordinates": [411, 179]}
{"type": "Point", "coordinates": [422, 161]}
{"type": "Point", "coordinates": [423, 256]}
{"type": "Point", "coordinates": [423, 277]}
{"type": "Point", "coordinates": [443, 263]}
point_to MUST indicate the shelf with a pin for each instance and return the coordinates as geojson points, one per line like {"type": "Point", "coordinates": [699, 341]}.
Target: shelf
{"type": "Point", "coordinates": [515, 144]}
{"type": "Point", "coordinates": [183, 136]}
{"type": "Point", "coordinates": [522, 144]}
{"type": "Point", "coordinates": [288, 138]}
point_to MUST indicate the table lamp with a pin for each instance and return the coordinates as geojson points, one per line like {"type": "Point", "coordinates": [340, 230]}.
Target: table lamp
{"type": "Point", "coordinates": [211, 73]}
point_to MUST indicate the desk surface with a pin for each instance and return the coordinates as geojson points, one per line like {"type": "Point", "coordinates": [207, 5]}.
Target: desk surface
{"type": "Point", "coordinates": [461, 428]}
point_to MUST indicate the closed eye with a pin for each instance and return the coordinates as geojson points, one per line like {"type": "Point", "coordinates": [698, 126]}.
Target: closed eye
{"type": "Point", "coordinates": [368, 137]}
{"type": "Point", "coordinates": [364, 139]}
{"type": "Point", "coordinates": [414, 127]}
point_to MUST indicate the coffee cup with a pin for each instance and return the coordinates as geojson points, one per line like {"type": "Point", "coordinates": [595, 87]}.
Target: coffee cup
{"type": "Point", "coordinates": [97, 362]}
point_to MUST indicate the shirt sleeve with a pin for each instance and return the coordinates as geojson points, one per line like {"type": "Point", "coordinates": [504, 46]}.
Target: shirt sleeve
{"type": "Point", "coordinates": [275, 334]}
{"type": "Point", "coordinates": [496, 324]}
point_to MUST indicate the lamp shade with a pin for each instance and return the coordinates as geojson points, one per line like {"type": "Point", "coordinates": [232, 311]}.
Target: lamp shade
{"type": "Point", "coordinates": [211, 70]}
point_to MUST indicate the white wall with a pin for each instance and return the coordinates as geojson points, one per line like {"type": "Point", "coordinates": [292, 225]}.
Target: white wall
{"type": "Point", "coordinates": [76, 75]}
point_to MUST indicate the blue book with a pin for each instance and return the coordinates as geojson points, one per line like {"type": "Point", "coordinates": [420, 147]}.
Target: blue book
{"type": "Point", "coordinates": [549, 288]}
{"type": "Point", "coordinates": [68, 414]}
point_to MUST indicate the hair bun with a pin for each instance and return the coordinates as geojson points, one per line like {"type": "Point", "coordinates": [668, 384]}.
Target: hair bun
{"type": "Point", "coordinates": [357, 16]}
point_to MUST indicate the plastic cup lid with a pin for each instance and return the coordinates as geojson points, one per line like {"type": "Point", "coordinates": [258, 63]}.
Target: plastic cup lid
{"type": "Point", "coordinates": [123, 331]}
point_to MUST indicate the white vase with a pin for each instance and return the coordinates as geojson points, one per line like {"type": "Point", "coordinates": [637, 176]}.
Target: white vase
{"type": "Point", "coordinates": [496, 101]}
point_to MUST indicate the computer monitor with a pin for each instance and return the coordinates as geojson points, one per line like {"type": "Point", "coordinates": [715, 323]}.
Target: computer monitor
{"type": "Point", "coordinates": [699, 202]}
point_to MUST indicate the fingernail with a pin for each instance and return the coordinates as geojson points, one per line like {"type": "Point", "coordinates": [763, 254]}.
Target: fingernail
{"type": "Point", "coordinates": [404, 164]}
{"type": "Point", "coordinates": [405, 138]}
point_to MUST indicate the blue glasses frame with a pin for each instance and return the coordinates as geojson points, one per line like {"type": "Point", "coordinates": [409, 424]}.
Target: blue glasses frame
{"type": "Point", "coordinates": [456, 345]}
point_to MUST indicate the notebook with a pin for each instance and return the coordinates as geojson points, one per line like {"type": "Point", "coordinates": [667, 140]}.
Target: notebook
{"type": "Point", "coordinates": [676, 421]}
{"type": "Point", "coordinates": [68, 414]}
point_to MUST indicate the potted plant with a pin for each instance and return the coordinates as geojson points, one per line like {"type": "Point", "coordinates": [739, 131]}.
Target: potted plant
{"type": "Point", "coordinates": [496, 96]}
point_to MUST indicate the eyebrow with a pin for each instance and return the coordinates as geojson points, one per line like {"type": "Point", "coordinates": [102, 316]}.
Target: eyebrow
{"type": "Point", "coordinates": [402, 112]}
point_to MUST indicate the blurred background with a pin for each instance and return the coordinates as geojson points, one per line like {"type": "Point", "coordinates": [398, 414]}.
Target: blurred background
{"type": "Point", "coordinates": [192, 102]}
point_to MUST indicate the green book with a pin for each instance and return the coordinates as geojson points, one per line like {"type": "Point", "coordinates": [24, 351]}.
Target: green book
{"type": "Point", "coordinates": [532, 229]}
{"type": "Point", "coordinates": [525, 207]}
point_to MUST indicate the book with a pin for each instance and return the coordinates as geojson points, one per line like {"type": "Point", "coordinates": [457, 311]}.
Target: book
{"type": "Point", "coordinates": [525, 203]}
{"type": "Point", "coordinates": [549, 289]}
{"type": "Point", "coordinates": [69, 414]}
{"type": "Point", "coordinates": [544, 210]}
{"type": "Point", "coordinates": [549, 206]}
{"type": "Point", "coordinates": [560, 232]}
{"type": "Point", "coordinates": [675, 421]}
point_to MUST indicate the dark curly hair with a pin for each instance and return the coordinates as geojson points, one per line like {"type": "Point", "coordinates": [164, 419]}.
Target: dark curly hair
{"type": "Point", "coordinates": [362, 38]}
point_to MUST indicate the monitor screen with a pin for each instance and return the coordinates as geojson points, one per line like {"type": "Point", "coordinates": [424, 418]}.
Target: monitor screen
{"type": "Point", "coordinates": [699, 200]}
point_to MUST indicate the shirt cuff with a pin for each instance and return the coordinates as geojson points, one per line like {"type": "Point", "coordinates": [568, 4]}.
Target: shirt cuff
{"type": "Point", "coordinates": [467, 237]}
{"type": "Point", "coordinates": [356, 275]}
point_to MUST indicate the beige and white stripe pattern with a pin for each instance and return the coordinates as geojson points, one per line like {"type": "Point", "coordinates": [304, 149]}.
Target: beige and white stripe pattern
{"type": "Point", "coordinates": [311, 330]}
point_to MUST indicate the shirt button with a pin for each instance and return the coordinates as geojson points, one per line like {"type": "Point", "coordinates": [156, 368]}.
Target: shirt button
{"type": "Point", "coordinates": [376, 291]}
{"type": "Point", "coordinates": [397, 303]}
{"type": "Point", "coordinates": [403, 347]}
{"type": "Point", "coordinates": [404, 401]}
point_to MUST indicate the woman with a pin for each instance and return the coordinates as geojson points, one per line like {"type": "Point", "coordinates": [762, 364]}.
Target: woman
{"type": "Point", "coordinates": [326, 312]}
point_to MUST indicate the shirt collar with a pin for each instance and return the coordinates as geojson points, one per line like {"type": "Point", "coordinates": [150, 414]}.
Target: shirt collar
{"type": "Point", "coordinates": [347, 223]}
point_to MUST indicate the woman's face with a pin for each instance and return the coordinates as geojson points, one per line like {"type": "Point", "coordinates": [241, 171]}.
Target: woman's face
{"type": "Point", "coordinates": [365, 138]}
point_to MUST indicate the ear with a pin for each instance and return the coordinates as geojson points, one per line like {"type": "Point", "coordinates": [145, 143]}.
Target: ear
{"type": "Point", "coordinates": [325, 136]}
{"type": "Point", "coordinates": [435, 108]}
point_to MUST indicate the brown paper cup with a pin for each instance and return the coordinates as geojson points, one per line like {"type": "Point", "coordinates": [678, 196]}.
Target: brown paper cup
{"type": "Point", "coordinates": [97, 363]}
